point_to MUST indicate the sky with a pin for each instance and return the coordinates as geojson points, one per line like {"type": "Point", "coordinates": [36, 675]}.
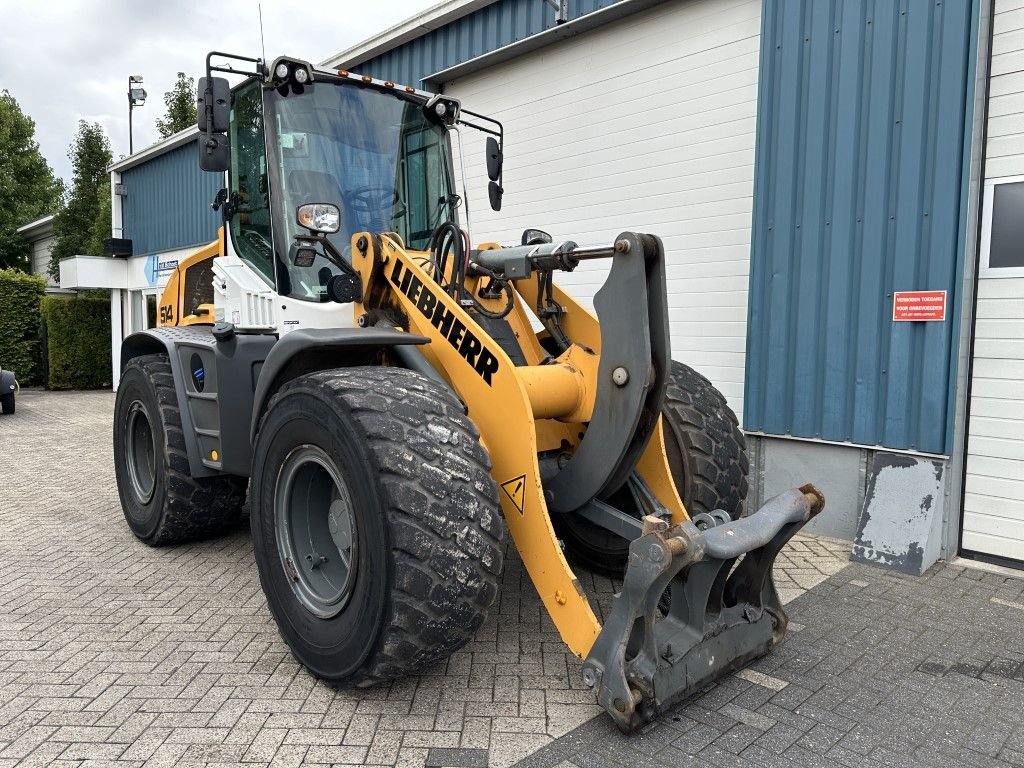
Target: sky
{"type": "Point", "coordinates": [69, 60]}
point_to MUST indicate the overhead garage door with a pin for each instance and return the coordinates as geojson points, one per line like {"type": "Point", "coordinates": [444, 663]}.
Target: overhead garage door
{"type": "Point", "coordinates": [648, 124]}
{"type": "Point", "coordinates": [993, 522]}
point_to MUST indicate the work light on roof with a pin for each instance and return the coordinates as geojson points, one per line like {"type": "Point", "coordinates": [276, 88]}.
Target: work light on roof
{"type": "Point", "coordinates": [281, 71]}
{"type": "Point", "coordinates": [301, 75]}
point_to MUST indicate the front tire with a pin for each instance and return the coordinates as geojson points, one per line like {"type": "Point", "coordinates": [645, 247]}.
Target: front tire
{"type": "Point", "coordinates": [7, 403]}
{"type": "Point", "coordinates": [706, 453]}
{"type": "Point", "coordinates": [162, 503]}
{"type": "Point", "coordinates": [376, 523]}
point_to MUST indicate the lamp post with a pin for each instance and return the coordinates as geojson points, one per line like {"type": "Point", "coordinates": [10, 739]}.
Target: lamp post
{"type": "Point", "coordinates": [136, 98]}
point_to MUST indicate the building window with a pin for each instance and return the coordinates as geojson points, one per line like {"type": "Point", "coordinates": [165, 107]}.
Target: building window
{"type": "Point", "coordinates": [1002, 233]}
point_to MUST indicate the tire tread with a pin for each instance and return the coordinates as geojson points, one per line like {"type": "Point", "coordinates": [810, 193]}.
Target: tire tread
{"type": "Point", "coordinates": [711, 434]}
{"type": "Point", "coordinates": [195, 508]}
{"type": "Point", "coordinates": [445, 569]}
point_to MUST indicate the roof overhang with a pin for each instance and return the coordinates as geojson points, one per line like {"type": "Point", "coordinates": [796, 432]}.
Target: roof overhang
{"type": "Point", "coordinates": [93, 272]}
{"type": "Point", "coordinates": [38, 229]}
{"type": "Point", "coordinates": [549, 36]}
{"type": "Point", "coordinates": [433, 18]}
{"type": "Point", "coordinates": [161, 147]}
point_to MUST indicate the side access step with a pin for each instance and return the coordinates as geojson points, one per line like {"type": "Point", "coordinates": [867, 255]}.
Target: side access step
{"type": "Point", "coordinates": [719, 618]}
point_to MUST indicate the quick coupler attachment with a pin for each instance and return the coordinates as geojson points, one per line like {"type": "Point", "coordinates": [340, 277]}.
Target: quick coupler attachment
{"type": "Point", "coordinates": [718, 618]}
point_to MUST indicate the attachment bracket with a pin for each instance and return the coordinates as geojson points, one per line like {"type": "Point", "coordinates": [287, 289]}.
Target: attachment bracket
{"type": "Point", "coordinates": [719, 617]}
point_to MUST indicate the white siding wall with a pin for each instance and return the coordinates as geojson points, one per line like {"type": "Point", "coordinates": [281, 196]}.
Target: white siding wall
{"type": "Point", "coordinates": [41, 250]}
{"type": "Point", "coordinates": [994, 491]}
{"type": "Point", "coordinates": [647, 124]}
{"type": "Point", "coordinates": [1005, 149]}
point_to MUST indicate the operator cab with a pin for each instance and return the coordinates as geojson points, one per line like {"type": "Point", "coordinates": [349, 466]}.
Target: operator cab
{"type": "Point", "coordinates": [313, 157]}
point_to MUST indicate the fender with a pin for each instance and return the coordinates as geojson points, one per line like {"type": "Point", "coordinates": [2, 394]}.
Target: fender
{"type": "Point", "coordinates": [248, 369]}
{"type": "Point", "coordinates": [315, 349]}
{"type": "Point", "coordinates": [215, 428]}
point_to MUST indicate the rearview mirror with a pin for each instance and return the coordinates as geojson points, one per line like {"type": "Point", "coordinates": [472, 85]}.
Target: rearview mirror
{"type": "Point", "coordinates": [494, 159]}
{"type": "Point", "coordinates": [494, 192]}
{"type": "Point", "coordinates": [214, 152]}
{"type": "Point", "coordinates": [215, 94]}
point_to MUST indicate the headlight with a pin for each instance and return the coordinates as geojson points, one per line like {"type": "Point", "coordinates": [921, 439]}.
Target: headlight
{"type": "Point", "coordinates": [281, 71]}
{"type": "Point", "coordinates": [301, 76]}
{"type": "Point", "coordinates": [319, 217]}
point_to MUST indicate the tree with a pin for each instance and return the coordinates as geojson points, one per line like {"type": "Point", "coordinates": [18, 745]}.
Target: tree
{"type": "Point", "coordinates": [73, 225]}
{"type": "Point", "coordinates": [181, 106]}
{"type": "Point", "coordinates": [28, 188]}
{"type": "Point", "coordinates": [100, 230]}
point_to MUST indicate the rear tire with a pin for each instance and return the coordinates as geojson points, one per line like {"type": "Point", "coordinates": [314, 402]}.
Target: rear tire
{"type": "Point", "coordinates": [707, 456]}
{"type": "Point", "coordinates": [706, 448]}
{"type": "Point", "coordinates": [376, 523]}
{"type": "Point", "coordinates": [7, 403]}
{"type": "Point", "coordinates": [162, 502]}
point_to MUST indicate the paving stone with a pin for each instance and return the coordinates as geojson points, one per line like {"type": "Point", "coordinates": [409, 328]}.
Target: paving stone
{"type": "Point", "coordinates": [748, 717]}
{"type": "Point", "coordinates": [759, 678]}
{"type": "Point", "coordinates": [456, 758]}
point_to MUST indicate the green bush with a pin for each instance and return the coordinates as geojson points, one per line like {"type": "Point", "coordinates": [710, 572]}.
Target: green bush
{"type": "Point", "coordinates": [78, 341]}
{"type": "Point", "coordinates": [20, 294]}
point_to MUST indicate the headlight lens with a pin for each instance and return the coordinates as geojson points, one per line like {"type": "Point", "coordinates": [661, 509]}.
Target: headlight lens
{"type": "Point", "coordinates": [319, 217]}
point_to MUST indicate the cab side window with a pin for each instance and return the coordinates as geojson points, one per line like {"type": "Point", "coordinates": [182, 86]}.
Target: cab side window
{"type": "Point", "coordinates": [250, 226]}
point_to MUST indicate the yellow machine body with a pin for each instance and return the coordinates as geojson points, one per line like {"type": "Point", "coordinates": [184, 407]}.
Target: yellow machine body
{"type": "Point", "coordinates": [542, 408]}
{"type": "Point", "coordinates": [188, 296]}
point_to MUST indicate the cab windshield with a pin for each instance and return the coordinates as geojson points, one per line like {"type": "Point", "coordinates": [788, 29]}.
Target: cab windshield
{"type": "Point", "coordinates": [373, 154]}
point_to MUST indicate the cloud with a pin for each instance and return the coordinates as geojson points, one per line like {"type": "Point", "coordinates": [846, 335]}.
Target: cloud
{"type": "Point", "coordinates": [70, 60]}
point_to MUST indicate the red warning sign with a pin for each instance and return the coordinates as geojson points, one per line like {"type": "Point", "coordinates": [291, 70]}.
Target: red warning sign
{"type": "Point", "coordinates": [919, 306]}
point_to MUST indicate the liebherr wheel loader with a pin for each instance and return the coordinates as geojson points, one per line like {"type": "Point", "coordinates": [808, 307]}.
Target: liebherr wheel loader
{"type": "Point", "coordinates": [395, 397]}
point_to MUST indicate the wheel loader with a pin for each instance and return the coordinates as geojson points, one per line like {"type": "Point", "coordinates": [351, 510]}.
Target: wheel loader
{"type": "Point", "coordinates": [393, 398]}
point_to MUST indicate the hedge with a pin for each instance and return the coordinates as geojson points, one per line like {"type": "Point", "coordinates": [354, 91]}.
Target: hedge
{"type": "Point", "coordinates": [77, 332]}
{"type": "Point", "coordinates": [20, 294]}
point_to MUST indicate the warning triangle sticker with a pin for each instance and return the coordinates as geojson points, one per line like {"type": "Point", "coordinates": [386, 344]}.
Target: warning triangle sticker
{"type": "Point", "coordinates": [515, 489]}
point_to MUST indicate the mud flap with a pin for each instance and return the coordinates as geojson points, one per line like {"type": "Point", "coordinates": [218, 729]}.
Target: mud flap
{"type": "Point", "coordinates": [719, 617]}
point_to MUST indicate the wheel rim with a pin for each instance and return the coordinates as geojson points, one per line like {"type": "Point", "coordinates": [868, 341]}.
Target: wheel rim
{"type": "Point", "coordinates": [316, 530]}
{"type": "Point", "coordinates": [140, 449]}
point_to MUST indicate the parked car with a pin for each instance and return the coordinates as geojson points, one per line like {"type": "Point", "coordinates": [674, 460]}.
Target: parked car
{"type": "Point", "coordinates": [8, 388]}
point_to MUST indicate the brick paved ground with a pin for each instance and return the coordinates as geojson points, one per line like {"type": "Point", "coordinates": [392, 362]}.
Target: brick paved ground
{"type": "Point", "coordinates": [114, 653]}
{"type": "Point", "coordinates": [887, 671]}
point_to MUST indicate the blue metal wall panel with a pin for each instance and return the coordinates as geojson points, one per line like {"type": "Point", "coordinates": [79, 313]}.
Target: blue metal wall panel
{"type": "Point", "coordinates": [488, 29]}
{"type": "Point", "coordinates": [858, 192]}
{"type": "Point", "coordinates": [168, 202]}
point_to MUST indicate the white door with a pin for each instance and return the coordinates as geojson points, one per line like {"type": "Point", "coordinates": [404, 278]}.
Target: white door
{"type": "Point", "coordinates": [142, 309]}
{"type": "Point", "coordinates": [648, 124]}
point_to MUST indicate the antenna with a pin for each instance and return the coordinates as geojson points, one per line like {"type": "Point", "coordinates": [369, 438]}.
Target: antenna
{"type": "Point", "coordinates": [263, 44]}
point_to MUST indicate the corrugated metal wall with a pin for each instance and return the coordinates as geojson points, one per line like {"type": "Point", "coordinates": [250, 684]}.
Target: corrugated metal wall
{"type": "Point", "coordinates": [495, 26]}
{"type": "Point", "coordinates": [858, 192]}
{"type": "Point", "coordinates": [168, 201]}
